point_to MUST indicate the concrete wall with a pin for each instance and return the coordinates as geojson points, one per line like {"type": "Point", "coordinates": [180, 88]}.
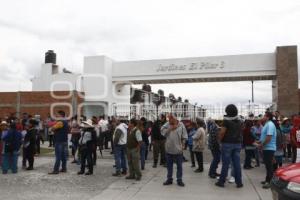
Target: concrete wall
{"type": "Point", "coordinates": [249, 65]}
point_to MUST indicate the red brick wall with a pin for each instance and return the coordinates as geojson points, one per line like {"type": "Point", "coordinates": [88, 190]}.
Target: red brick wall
{"type": "Point", "coordinates": [34, 103]}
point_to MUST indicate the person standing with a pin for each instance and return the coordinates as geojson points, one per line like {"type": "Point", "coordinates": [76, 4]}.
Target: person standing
{"type": "Point", "coordinates": [120, 141]}
{"type": "Point", "coordinates": [104, 131]}
{"type": "Point", "coordinates": [248, 140]}
{"type": "Point", "coordinates": [60, 143]}
{"type": "Point", "coordinates": [286, 130]}
{"type": "Point", "coordinates": [134, 140]}
{"type": "Point", "coordinates": [176, 136]}
{"type": "Point", "coordinates": [231, 138]}
{"type": "Point", "coordinates": [75, 135]}
{"type": "Point", "coordinates": [192, 131]}
{"type": "Point", "coordinates": [256, 133]}
{"type": "Point", "coordinates": [145, 144]}
{"type": "Point", "coordinates": [3, 131]}
{"type": "Point", "coordinates": [12, 143]}
{"type": "Point", "coordinates": [214, 146]}
{"type": "Point", "coordinates": [267, 143]}
{"type": "Point", "coordinates": [29, 143]}
{"type": "Point", "coordinates": [199, 144]}
{"type": "Point", "coordinates": [86, 146]}
{"type": "Point", "coordinates": [158, 141]}
{"type": "Point", "coordinates": [295, 138]}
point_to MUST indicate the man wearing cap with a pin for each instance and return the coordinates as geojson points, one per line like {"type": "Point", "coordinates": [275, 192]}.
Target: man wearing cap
{"type": "Point", "coordinates": [176, 135]}
{"type": "Point", "coordinates": [86, 146]}
{"type": "Point", "coordinates": [61, 143]}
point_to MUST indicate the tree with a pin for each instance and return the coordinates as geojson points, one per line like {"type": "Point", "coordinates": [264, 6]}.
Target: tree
{"type": "Point", "coordinates": [146, 87]}
{"type": "Point", "coordinates": [160, 92]}
{"type": "Point", "coordinates": [172, 98]}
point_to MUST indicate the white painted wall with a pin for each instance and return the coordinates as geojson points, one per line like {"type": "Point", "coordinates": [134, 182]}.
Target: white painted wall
{"type": "Point", "coordinates": [106, 82]}
{"type": "Point", "coordinates": [200, 67]}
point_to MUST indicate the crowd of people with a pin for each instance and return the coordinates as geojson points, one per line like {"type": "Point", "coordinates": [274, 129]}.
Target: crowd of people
{"type": "Point", "coordinates": [270, 139]}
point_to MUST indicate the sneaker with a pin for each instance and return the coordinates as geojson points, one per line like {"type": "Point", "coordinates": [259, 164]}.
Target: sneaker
{"type": "Point", "coordinates": [63, 171]}
{"type": "Point", "coordinates": [80, 173]}
{"type": "Point", "coordinates": [180, 183]}
{"type": "Point", "coordinates": [124, 173]}
{"type": "Point", "coordinates": [239, 185]}
{"type": "Point", "coordinates": [168, 182]}
{"type": "Point", "coordinates": [29, 168]}
{"type": "Point", "coordinates": [193, 165]}
{"type": "Point", "coordinates": [231, 180]}
{"type": "Point", "coordinates": [266, 186]}
{"type": "Point", "coordinates": [263, 182]}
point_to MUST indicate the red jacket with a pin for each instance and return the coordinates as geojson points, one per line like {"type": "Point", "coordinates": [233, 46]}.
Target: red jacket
{"type": "Point", "coordinates": [295, 133]}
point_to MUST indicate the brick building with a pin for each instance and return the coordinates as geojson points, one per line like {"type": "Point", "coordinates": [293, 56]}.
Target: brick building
{"type": "Point", "coordinates": [38, 103]}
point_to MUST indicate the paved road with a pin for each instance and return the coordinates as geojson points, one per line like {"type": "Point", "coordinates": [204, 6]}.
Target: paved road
{"type": "Point", "coordinates": [38, 185]}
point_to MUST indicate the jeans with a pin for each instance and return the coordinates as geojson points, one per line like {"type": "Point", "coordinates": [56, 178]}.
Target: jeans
{"type": "Point", "coordinates": [268, 156]}
{"type": "Point", "coordinates": [170, 160]}
{"type": "Point", "coordinates": [231, 153]}
{"type": "Point", "coordinates": [143, 155]}
{"type": "Point", "coordinates": [10, 161]}
{"type": "Point", "coordinates": [61, 154]}
{"type": "Point", "coordinates": [215, 162]}
{"type": "Point", "coordinates": [120, 158]}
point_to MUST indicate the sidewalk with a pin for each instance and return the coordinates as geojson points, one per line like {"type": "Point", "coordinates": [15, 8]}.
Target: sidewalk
{"type": "Point", "coordinates": [198, 186]}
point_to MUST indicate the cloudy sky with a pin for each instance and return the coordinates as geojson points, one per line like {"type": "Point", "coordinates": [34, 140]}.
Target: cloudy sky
{"type": "Point", "coordinates": [144, 29]}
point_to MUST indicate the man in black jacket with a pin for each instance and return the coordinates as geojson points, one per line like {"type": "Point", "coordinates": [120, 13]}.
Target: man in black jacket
{"type": "Point", "coordinates": [29, 143]}
{"type": "Point", "coordinates": [158, 142]}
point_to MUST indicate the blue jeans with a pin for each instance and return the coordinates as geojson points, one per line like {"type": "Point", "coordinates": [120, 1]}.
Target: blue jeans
{"type": "Point", "coordinates": [61, 154]}
{"type": "Point", "coordinates": [231, 154]}
{"type": "Point", "coordinates": [10, 161]}
{"type": "Point", "coordinates": [177, 158]}
{"type": "Point", "coordinates": [143, 155]}
{"type": "Point", "coordinates": [215, 162]}
{"type": "Point", "coordinates": [120, 158]}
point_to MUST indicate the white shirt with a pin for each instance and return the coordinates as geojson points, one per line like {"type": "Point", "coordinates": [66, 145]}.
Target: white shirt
{"type": "Point", "coordinates": [103, 124]}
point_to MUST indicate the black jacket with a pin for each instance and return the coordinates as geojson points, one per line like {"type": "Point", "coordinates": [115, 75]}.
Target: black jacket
{"type": "Point", "coordinates": [29, 140]}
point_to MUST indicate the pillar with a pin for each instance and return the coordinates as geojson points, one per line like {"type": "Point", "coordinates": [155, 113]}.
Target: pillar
{"type": "Point", "coordinates": [285, 87]}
